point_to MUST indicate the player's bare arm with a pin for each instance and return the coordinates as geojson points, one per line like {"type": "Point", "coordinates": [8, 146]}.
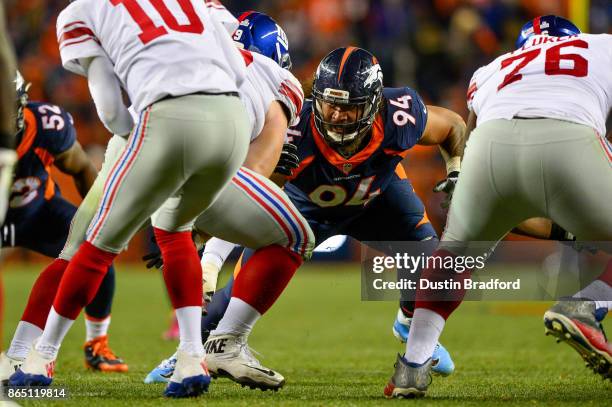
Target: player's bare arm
{"type": "Point", "coordinates": [105, 90]}
{"type": "Point", "coordinates": [265, 150]}
{"type": "Point", "coordinates": [446, 129]}
{"type": "Point", "coordinates": [76, 163]}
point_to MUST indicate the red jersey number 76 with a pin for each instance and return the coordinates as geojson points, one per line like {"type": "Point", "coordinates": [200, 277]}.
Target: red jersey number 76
{"type": "Point", "coordinates": [552, 64]}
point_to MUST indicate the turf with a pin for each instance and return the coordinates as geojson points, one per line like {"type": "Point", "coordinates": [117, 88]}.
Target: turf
{"type": "Point", "coordinates": [332, 348]}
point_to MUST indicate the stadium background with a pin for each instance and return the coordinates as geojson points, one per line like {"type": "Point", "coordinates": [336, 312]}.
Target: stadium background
{"type": "Point", "coordinates": [333, 348]}
{"type": "Point", "coordinates": [431, 45]}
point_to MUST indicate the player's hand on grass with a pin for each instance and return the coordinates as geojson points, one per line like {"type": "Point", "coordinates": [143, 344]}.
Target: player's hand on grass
{"type": "Point", "coordinates": [447, 185]}
{"type": "Point", "coordinates": [288, 160]}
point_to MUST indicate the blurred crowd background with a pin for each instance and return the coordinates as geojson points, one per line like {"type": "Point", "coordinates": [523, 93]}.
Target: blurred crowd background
{"type": "Point", "coordinates": [431, 45]}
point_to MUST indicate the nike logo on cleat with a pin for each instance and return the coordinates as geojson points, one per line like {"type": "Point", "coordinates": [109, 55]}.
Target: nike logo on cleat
{"type": "Point", "coordinates": [264, 371]}
{"type": "Point", "coordinates": [215, 345]}
{"type": "Point", "coordinates": [166, 375]}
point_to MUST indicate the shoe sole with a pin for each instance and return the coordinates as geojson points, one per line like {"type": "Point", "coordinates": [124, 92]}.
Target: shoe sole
{"type": "Point", "coordinates": [392, 392]}
{"type": "Point", "coordinates": [247, 381]}
{"type": "Point", "coordinates": [564, 329]}
{"type": "Point", "coordinates": [108, 368]}
{"type": "Point", "coordinates": [189, 387]}
{"type": "Point", "coordinates": [25, 379]}
{"type": "Point", "coordinates": [156, 379]}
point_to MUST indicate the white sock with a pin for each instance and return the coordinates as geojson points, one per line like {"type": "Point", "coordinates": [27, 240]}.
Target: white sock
{"type": "Point", "coordinates": [216, 251]}
{"type": "Point", "coordinates": [25, 334]}
{"type": "Point", "coordinates": [95, 327]}
{"type": "Point", "coordinates": [239, 319]}
{"type": "Point", "coordinates": [425, 331]}
{"type": "Point", "coordinates": [55, 330]}
{"type": "Point", "coordinates": [189, 330]}
{"type": "Point", "coordinates": [598, 291]}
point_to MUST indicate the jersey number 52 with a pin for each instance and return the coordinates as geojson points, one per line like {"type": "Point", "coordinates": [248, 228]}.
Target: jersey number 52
{"type": "Point", "coordinates": [150, 31]}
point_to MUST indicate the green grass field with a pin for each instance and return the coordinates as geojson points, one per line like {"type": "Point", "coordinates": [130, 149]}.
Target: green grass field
{"type": "Point", "coordinates": [332, 348]}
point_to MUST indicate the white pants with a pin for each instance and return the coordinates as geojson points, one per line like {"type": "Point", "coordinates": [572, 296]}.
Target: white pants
{"type": "Point", "coordinates": [523, 168]}
{"type": "Point", "coordinates": [251, 211]}
{"type": "Point", "coordinates": [189, 146]}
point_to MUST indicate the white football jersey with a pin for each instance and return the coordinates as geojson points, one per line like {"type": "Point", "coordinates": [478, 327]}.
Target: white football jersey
{"type": "Point", "coordinates": [567, 78]}
{"type": "Point", "coordinates": [266, 82]}
{"type": "Point", "coordinates": [158, 48]}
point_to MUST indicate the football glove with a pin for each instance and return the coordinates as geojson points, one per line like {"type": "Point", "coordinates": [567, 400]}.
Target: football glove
{"type": "Point", "coordinates": [154, 258]}
{"type": "Point", "coordinates": [567, 238]}
{"type": "Point", "coordinates": [447, 185]}
{"type": "Point", "coordinates": [288, 160]}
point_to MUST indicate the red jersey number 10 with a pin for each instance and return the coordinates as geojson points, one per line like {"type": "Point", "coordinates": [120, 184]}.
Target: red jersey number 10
{"type": "Point", "coordinates": [552, 64]}
{"type": "Point", "coordinates": [150, 31]}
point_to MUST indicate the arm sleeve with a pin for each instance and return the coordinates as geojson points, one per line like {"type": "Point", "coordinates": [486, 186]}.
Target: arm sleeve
{"type": "Point", "coordinates": [291, 95]}
{"type": "Point", "coordinates": [216, 251]}
{"type": "Point", "coordinates": [105, 90]}
{"type": "Point", "coordinates": [76, 38]}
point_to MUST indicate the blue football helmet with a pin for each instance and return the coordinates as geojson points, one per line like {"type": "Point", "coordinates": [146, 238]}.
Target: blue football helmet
{"type": "Point", "coordinates": [554, 26]}
{"type": "Point", "coordinates": [350, 77]}
{"type": "Point", "coordinates": [259, 33]}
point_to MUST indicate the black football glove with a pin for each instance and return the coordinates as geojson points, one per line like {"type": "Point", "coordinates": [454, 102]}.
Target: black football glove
{"type": "Point", "coordinates": [447, 185]}
{"type": "Point", "coordinates": [288, 160]}
{"type": "Point", "coordinates": [154, 258]}
{"type": "Point", "coordinates": [567, 238]}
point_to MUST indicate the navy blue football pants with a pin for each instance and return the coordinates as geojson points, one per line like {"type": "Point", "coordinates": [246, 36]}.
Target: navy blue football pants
{"type": "Point", "coordinates": [45, 231]}
{"type": "Point", "coordinates": [396, 215]}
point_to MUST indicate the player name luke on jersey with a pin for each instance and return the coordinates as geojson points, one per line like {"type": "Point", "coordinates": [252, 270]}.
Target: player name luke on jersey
{"type": "Point", "coordinates": [330, 186]}
{"type": "Point", "coordinates": [266, 82]}
{"type": "Point", "coordinates": [157, 48]}
{"type": "Point", "coordinates": [566, 78]}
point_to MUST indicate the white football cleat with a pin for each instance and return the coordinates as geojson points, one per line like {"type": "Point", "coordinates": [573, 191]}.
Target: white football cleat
{"type": "Point", "coordinates": [36, 370]}
{"type": "Point", "coordinates": [190, 377]}
{"type": "Point", "coordinates": [8, 366]}
{"type": "Point", "coordinates": [229, 356]}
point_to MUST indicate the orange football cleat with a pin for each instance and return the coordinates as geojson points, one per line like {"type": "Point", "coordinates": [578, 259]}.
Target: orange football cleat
{"type": "Point", "coordinates": [98, 356]}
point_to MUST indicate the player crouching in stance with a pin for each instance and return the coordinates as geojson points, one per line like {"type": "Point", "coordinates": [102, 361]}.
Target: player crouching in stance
{"type": "Point", "coordinates": [351, 140]}
{"type": "Point", "coordinates": [253, 211]}
{"type": "Point", "coordinates": [40, 219]}
{"type": "Point", "coordinates": [537, 150]}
